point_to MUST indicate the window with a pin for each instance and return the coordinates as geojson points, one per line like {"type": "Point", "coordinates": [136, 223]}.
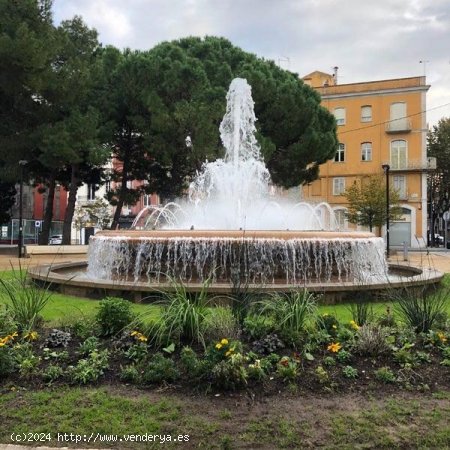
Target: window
{"type": "Point", "coordinates": [340, 153]}
{"type": "Point", "coordinates": [339, 114]}
{"type": "Point", "coordinates": [366, 151]}
{"type": "Point", "coordinates": [400, 186]}
{"type": "Point", "coordinates": [398, 120]}
{"type": "Point", "coordinates": [340, 217]}
{"type": "Point", "coordinates": [147, 199]}
{"type": "Point", "coordinates": [398, 154]}
{"type": "Point", "coordinates": [338, 185]}
{"type": "Point", "coordinates": [366, 113]}
{"type": "Point", "coordinates": [91, 188]}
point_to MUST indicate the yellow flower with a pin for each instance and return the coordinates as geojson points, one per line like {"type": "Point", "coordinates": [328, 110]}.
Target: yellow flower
{"type": "Point", "coordinates": [224, 341]}
{"type": "Point", "coordinates": [15, 334]}
{"type": "Point", "coordinates": [31, 336]}
{"type": "Point", "coordinates": [442, 337]}
{"type": "Point", "coordinates": [354, 325]}
{"type": "Point", "coordinates": [334, 347]}
{"type": "Point", "coordinates": [218, 346]}
{"type": "Point", "coordinates": [2, 344]}
{"type": "Point", "coordinates": [134, 333]}
{"type": "Point", "coordinates": [228, 353]}
{"type": "Point", "coordinates": [334, 327]}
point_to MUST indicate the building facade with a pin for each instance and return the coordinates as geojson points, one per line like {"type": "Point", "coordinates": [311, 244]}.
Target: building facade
{"type": "Point", "coordinates": [379, 123]}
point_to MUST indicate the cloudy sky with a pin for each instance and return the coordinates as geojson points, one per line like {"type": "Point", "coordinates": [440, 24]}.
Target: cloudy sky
{"type": "Point", "coordinates": [369, 40]}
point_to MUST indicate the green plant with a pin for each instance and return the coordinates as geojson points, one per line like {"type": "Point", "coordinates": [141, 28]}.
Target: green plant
{"type": "Point", "coordinates": [52, 373]}
{"type": "Point", "coordinates": [421, 309]}
{"type": "Point", "coordinates": [193, 365]}
{"type": "Point", "coordinates": [350, 372]}
{"type": "Point", "coordinates": [258, 326]}
{"type": "Point", "coordinates": [322, 375]}
{"type": "Point", "coordinates": [159, 369]}
{"type": "Point", "coordinates": [291, 313]}
{"type": "Point", "coordinates": [7, 361]}
{"type": "Point", "coordinates": [287, 368]}
{"type": "Point", "coordinates": [137, 352]}
{"type": "Point", "coordinates": [423, 357]}
{"type": "Point", "coordinates": [257, 370]}
{"type": "Point", "coordinates": [387, 319]}
{"type": "Point", "coordinates": [113, 316]}
{"type": "Point", "coordinates": [7, 323]}
{"type": "Point", "coordinates": [230, 373]}
{"type": "Point", "coordinates": [371, 340]}
{"type": "Point", "coordinates": [404, 355]}
{"type": "Point", "coordinates": [329, 361]}
{"type": "Point", "coordinates": [329, 323]}
{"type": "Point", "coordinates": [362, 312]}
{"type": "Point", "coordinates": [182, 318]}
{"type": "Point", "coordinates": [27, 361]}
{"type": "Point", "coordinates": [89, 345]}
{"type": "Point", "coordinates": [58, 338]}
{"type": "Point", "coordinates": [27, 300]}
{"type": "Point", "coordinates": [220, 322]}
{"type": "Point", "coordinates": [223, 350]}
{"type": "Point", "coordinates": [91, 368]}
{"type": "Point", "coordinates": [344, 356]}
{"type": "Point", "coordinates": [129, 374]}
{"type": "Point", "coordinates": [60, 356]}
{"type": "Point", "coordinates": [385, 375]}
{"type": "Point", "coordinates": [269, 344]}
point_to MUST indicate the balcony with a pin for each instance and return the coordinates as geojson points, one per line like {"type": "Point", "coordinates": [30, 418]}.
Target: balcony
{"type": "Point", "coordinates": [398, 126]}
{"type": "Point", "coordinates": [412, 165]}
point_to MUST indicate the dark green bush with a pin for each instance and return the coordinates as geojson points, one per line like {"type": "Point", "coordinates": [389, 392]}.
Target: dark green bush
{"type": "Point", "coordinates": [159, 369]}
{"type": "Point", "coordinates": [91, 368]}
{"type": "Point", "coordinates": [114, 315]}
{"type": "Point", "coordinates": [7, 361]}
{"type": "Point", "coordinates": [258, 327]}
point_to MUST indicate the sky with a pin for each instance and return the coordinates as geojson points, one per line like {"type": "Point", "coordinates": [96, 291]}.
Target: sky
{"type": "Point", "coordinates": [367, 40]}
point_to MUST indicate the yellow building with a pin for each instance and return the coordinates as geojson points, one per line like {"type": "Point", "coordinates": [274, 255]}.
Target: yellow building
{"type": "Point", "coordinates": [379, 123]}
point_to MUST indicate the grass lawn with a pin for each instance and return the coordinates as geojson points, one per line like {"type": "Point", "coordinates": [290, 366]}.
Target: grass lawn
{"type": "Point", "coordinates": [402, 420]}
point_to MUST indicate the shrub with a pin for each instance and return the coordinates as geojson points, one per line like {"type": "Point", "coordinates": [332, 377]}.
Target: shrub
{"type": "Point", "coordinates": [129, 374]}
{"type": "Point", "coordinates": [291, 313]}
{"type": "Point", "coordinates": [55, 355]}
{"type": "Point", "coordinates": [7, 361]}
{"type": "Point", "coordinates": [421, 309]}
{"type": "Point", "coordinates": [371, 340]}
{"type": "Point", "coordinates": [220, 322]}
{"type": "Point", "coordinates": [159, 369]}
{"type": "Point", "coordinates": [258, 370]}
{"type": "Point", "coordinates": [350, 372]}
{"type": "Point", "coordinates": [113, 316]}
{"type": "Point", "coordinates": [26, 360]}
{"type": "Point", "coordinates": [230, 373]}
{"type": "Point", "coordinates": [404, 355]}
{"type": "Point", "coordinates": [258, 326]}
{"type": "Point", "coordinates": [182, 318]}
{"type": "Point", "coordinates": [387, 319]}
{"type": "Point", "coordinates": [89, 345]}
{"type": "Point", "coordinates": [329, 361]}
{"type": "Point", "coordinates": [7, 323]}
{"type": "Point", "coordinates": [26, 300]}
{"type": "Point", "coordinates": [52, 373]}
{"type": "Point", "coordinates": [321, 375]}
{"type": "Point", "coordinates": [58, 338]}
{"type": "Point", "coordinates": [91, 368]}
{"type": "Point", "coordinates": [287, 368]}
{"type": "Point", "coordinates": [137, 352]}
{"type": "Point", "coordinates": [385, 375]}
{"type": "Point", "coordinates": [362, 313]}
{"type": "Point", "coordinates": [344, 356]}
{"type": "Point", "coordinates": [193, 365]}
{"type": "Point", "coordinates": [329, 323]}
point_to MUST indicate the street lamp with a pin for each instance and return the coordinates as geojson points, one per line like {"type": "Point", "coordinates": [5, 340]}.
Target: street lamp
{"type": "Point", "coordinates": [22, 164]}
{"type": "Point", "coordinates": [386, 168]}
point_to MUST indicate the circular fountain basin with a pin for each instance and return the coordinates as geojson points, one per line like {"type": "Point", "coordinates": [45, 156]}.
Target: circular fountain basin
{"type": "Point", "coordinates": [134, 264]}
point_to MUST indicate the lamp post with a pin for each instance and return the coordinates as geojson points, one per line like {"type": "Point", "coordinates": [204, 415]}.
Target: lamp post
{"type": "Point", "coordinates": [22, 164]}
{"type": "Point", "coordinates": [386, 168]}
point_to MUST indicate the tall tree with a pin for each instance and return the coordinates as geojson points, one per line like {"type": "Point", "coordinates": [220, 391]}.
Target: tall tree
{"type": "Point", "coordinates": [439, 180]}
{"type": "Point", "coordinates": [367, 203]}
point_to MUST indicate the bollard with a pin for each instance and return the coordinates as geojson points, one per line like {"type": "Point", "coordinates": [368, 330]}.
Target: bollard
{"type": "Point", "coordinates": [405, 252]}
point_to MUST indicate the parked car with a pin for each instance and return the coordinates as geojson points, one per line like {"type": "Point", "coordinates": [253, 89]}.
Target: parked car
{"type": "Point", "coordinates": [56, 239]}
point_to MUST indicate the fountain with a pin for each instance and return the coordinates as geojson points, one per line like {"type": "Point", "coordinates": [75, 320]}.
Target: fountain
{"type": "Point", "coordinates": [234, 230]}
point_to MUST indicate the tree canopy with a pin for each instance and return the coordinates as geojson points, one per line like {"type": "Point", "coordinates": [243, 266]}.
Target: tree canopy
{"type": "Point", "coordinates": [367, 202]}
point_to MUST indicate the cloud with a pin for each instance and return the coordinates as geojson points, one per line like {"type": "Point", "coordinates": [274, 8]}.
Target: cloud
{"type": "Point", "coordinates": [367, 40]}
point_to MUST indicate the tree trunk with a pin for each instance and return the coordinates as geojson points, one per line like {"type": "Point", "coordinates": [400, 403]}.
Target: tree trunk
{"type": "Point", "coordinates": [68, 217]}
{"type": "Point", "coordinates": [48, 214]}
{"type": "Point", "coordinates": [121, 200]}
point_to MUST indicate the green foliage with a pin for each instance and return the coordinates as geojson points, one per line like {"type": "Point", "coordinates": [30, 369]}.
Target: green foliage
{"type": "Point", "coordinates": [322, 375]}
{"type": "Point", "coordinates": [385, 375]}
{"type": "Point", "coordinates": [27, 361]}
{"type": "Point", "coordinates": [420, 309]}
{"type": "Point", "coordinates": [27, 300]}
{"type": "Point", "coordinates": [7, 361]}
{"type": "Point", "coordinates": [287, 369]}
{"type": "Point", "coordinates": [367, 202]}
{"type": "Point", "coordinates": [114, 315]}
{"type": "Point", "coordinates": [218, 323]}
{"type": "Point", "coordinates": [291, 313]}
{"type": "Point", "coordinates": [52, 373]}
{"type": "Point", "coordinates": [7, 322]}
{"type": "Point", "coordinates": [129, 374]}
{"type": "Point", "coordinates": [89, 345]}
{"type": "Point", "coordinates": [362, 312]}
{"type": "Point", "coordinates": [404, 355]}
{"type": "Point", "coordinates": [137, 352]}
{"type": "Point", "coordinates": [350, 372]}
{"type": "Point", "coordinates": [230, 373]}
{"type": "Point", "coordinates": [329, 361]}
{"type": "Point", "coordinates": [344, 356]}
{"type": "Point", "coordinates": [258, 326]}
{"type": "Point", "coordinates": [192, 364]}
{"type": "Point", "coordinates": [52, 355]}
{"type": "Point", "coordinates": [268, 344]}
{"type": "Point", "coordinates": [329, 323]}
{"type": "Point", "coordinates": [90, 369]}
{"type": "Point", "coordinates": [159, 369]}
{"type": "Point", "coordinates": [371, 340]}
{"type": "Point", "coordinates": [258, 370]}
{"type": "Point", "coordinates": [183, 317]}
